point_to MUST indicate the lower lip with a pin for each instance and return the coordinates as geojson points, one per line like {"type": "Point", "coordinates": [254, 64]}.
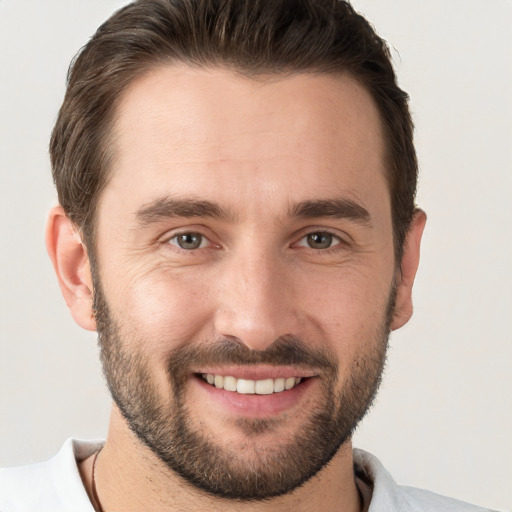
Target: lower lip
{"type": "Point", "coordinates": [255, 406]}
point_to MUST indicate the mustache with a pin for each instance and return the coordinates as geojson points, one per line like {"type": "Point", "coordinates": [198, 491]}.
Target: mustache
{"type": "Point", "coordinates": [284, 351]}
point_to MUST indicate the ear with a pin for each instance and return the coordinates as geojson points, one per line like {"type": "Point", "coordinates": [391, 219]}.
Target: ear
{"type": "Point", "coordinates": [71, 263]}
{"type": "Point", "coordinates": [407, 272]}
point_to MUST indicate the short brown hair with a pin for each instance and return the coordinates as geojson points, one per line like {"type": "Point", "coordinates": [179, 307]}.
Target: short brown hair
{"type": "Point", "coordinates": [249, 36]}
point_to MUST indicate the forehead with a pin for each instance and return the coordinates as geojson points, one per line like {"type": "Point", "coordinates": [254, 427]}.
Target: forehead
{"type": "Point", "coordinates": [182, 130]}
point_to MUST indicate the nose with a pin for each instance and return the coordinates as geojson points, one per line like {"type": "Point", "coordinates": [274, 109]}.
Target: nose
{"type": "Point", "coordinates": [256, 300]}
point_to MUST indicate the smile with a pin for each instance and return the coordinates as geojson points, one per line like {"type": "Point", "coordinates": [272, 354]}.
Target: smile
{"type": "Point", "coordinates": [251, 387]}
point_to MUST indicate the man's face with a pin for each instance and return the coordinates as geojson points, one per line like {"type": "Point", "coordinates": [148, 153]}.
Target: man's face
{"type": "Point", "coordinates": [244, 245]}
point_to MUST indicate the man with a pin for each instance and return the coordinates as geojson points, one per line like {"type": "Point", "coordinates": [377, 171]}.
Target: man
{"type": "Point", "coordinates": [237, 221]}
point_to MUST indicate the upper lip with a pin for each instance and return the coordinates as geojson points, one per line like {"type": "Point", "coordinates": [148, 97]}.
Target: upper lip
{"type": "Point", "coordinates": [259, 372]}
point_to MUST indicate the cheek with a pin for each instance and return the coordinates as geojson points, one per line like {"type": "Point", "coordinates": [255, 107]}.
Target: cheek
{"type": "Point", "coordinates": [348, 309]}
{"type": "Point", "coordinates": [160, 309]}
{"type": "Point", "coordinates": [349, 294]}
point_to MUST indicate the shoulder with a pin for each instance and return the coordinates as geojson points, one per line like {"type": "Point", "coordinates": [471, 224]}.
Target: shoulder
{"type": "Point", "coordinates": [388, 496]}
{"type": "Point", "coordinates": [54, 485]}
{"type": "Point", "coordinates": [421, 500]}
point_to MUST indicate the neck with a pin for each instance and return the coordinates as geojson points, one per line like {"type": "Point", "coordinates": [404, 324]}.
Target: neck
{"type": "Point", "coordinates": [130, 477]}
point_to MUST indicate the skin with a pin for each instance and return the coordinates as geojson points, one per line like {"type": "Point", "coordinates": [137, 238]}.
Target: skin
{"type": "Point", "coordinates": [256, 148]}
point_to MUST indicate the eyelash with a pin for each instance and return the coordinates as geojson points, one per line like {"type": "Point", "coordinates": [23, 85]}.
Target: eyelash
{"type": "Point", "coordinates": [336, 241]}
{"type": "Point", "coordinates": [189, 233]}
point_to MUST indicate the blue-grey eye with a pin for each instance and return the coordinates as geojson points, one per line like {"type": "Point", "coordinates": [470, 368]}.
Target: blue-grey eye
{"type": "Point", "coordinates": [189, 241]}
{"type": "Point", "coordinates": [319, 240]}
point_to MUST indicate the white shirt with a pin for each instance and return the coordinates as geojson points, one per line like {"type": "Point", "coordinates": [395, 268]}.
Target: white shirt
{"type": "Point", "coordinates": [56, 486]}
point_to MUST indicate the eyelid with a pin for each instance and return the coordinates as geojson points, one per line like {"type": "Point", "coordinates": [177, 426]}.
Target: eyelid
{"type": "Point", "coordinates": [342, 236]}
{"type": "Point", "coordinates": [194, 229]}
{"type": "Point", "coordinates": [336, 240]}
{"type": "Point", "coordinates": [205, 241]}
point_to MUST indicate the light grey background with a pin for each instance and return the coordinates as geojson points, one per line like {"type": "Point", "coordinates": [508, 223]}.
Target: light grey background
{"type": "Point", "coordinates": [443, 419]}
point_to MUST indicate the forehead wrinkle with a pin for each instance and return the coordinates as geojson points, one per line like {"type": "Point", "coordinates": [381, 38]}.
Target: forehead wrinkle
{"type": "Point", "coordinates": [174, 207]}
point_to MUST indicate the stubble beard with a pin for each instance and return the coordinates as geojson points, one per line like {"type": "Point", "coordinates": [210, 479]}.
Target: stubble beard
{"type": "Point", "coordinates": [258, 470]}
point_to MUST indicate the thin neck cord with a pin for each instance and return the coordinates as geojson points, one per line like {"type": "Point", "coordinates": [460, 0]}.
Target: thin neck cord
{"type": "Point", "coordinates": [97, 503]}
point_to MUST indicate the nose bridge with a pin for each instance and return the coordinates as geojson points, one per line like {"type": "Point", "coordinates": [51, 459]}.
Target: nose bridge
{"type": "Point", "coordinates": [254, 304]}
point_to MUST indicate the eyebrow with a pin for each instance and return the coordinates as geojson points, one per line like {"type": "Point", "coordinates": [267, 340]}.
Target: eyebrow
{"type": "Point", "coordinates": [332, 208]}
{"type": "Point", "coordinates": [169, 207]}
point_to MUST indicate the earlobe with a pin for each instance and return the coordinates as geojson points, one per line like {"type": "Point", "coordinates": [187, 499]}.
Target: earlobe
{"type": "Point", "coordinates": [407, 273]}
{"type": "Point", "coordinates": [71, 263]}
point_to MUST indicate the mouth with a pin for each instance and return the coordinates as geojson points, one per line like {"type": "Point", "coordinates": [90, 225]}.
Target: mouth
{"type": "Point", "coordinates": [252, 387]}
{"type": "Point", "coordinates": [254, 391]}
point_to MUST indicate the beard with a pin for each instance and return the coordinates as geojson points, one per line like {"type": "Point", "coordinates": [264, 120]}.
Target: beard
{"type": "Point", "coordinates": [256, 470]}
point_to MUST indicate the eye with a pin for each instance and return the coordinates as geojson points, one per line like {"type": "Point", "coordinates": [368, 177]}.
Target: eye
{"type": "Point", "coordinates": [319, 240]}
{"type": "Point", "coordinates": [189, 241]}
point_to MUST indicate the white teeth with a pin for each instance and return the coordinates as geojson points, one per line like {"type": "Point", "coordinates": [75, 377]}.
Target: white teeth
{"type": "Point", "coordinates": [230, 383]}
{"type": "Point", "coordinates": [264, 387]}
{"type": "Point", "coordinates": [246, 387]}
{"type": "Point", "coordinates": [278, 385]}
{"type": "Point", "coordinates": [251, 387]}
{"type": "Point", "coordinates": [219, 381]}
{"type": "Point", "coordinates": [289, 383]}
